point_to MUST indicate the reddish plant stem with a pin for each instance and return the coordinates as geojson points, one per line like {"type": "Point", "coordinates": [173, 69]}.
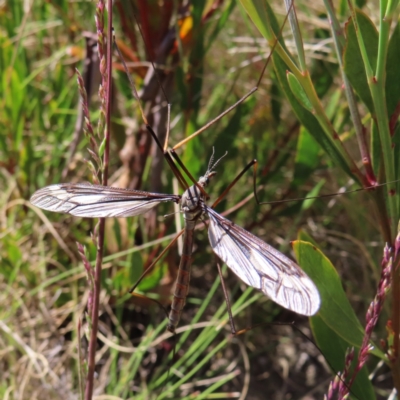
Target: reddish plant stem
{"type": "Point", "coordinates": [95, 313]}
{"type": "Point", "coordinates": [395, 366]}
{"type": "Point", "coordinates": [395, 321]}
{"type": "Point", "coordinates": [373, 313]}
{"type": "Point", "coordinates": [109, 91]}
{"type": "Point", "coordinates": [100, 241]}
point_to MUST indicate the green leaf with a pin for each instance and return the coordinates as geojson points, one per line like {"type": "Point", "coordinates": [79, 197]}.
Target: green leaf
{"type": "Point", "coordinates": [305, 237]}
{"type": "Point", "coordinates": [135, 266]}
{"type": "Point", "coordinates": [14, 253]}
{"type": "Point", "coordinates": [276, 104]}
{"type": "Point", "coordinates": [335, 311]}
{"type": "Point", "coordinates": [193, 148]}
{"type": "Point", "coordinates": [396, 143]}
{"type": "Point", "coordinates": [308, 119]}
{"type": "Point", "coordinates": [353, 61]}
{"type": "Point", "coordinates": [335, 101]}
{"type": "Point", "coordinates": [102, 147]}
{"type": "Point", "coordinates": [375, 146]}
{"type": "Point", "coordinates": [333, 299]}
{"type": "Point", "coordinates": [307, 203]}
{"type": "Point", "coordinates": [335, 327]}
{"type": "Point", "coordinates": [298, 91]}
{"type": "Point", "coordinates": [333, 348]}
{"type": "Point", "coordinates": [306, 157]}
{"type": "Point", "coordinates": [153, 279]}
{"type": "Point", "coordinates": [224, 141]}
{"type": "Point", "coordinates": [220, 24]}
{"type": "Point", "coordinates": [392, 72]}
{"type": "Point", "coordinates": [264, 18]}
{"type": "Point", "coordinates": [323, 72]}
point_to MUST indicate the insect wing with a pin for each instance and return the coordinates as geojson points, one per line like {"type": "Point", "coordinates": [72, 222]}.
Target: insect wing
{"type": "Point", "coordinates": [96, 201]}
{"type": "Point", "coordinates": [261, 266]}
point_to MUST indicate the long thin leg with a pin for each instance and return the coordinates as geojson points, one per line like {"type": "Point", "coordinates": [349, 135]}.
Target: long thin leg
{"type": "Point", "coordinates": [225, 192]}
{"type": "Point", "coordinates": [241, 100]}
{"type": "Point", "coordinates": [147, 270]}
{"type": "Point", "coordinates": [172, 155]}
{"type": "Point", "coordinates": [184, 141]}
{"type": "Point", "coordinates": [172, 158]}
{"type": "Point", "coordinates": [228, 303]}
{"type": "Point", "coordinates": [164, 147]}
{"type": "Point", "coordinates": [255, 163]}
{"type": "Point", "coordinates": [180, 163]}
{"type": "Point", "coordinates": [169, 160]}
{"type": "Point", "coordinates": [320, 196]}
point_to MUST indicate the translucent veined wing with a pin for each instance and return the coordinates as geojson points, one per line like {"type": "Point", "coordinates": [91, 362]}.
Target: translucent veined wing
{"type": "Point", "coordinates": [261, 266]}
{"type": "Point", "coordinates": [96, 201]}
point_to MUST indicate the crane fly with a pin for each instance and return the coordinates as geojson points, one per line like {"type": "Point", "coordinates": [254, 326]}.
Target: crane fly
{"type": "Point", "coordinates": [255, 262]}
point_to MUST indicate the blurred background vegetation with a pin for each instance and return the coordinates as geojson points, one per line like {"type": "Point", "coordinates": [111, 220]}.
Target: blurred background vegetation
{"type": "Point", "coordinates": [208, 54]}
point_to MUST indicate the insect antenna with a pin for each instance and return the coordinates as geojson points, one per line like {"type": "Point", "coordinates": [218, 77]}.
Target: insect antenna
{"type": "Point", "coordinates": [212, 165]}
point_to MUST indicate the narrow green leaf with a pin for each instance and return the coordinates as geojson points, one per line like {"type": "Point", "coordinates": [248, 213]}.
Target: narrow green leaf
{"type": "Point", "coordinates": [306, 157]}
{"type": "Point", "coordinates": [14, 253]}
{"type": "Point", "coordinates": [335, 101]}
{"type": "Point", "coordinates": [307, 203]}
{"type": "Point", "coordinates": [266, 22]}
{"type": "Point", "coordinates": [396, 143]}
{"type": "Point", "coordinates": [102, 147]}
{"type": "Point", "coordinates": [263, 17]}
{"type": "Point", "coordinates": [298, 91]}
{"type": "Point", "coordinates": [353, 62]}
{"type": "Point", "coordinates": [375, 146]}
{"type": "Point", "coordinates": [135, 265]}
{"type": "Point", "coordinates": [220, 24]}
{"type": "Point", "coordinates": [308, 119]}
{"type": "Point", "coordinates": [224, 141]}
{"type": "Point", "coordinates": [392, 72]}
{"type": "Point", "coordinates": [276, 104]}
{"type": "Point", "coordinates": [257, 10]}
{"type": "Point", "coordinates": [153, 279]}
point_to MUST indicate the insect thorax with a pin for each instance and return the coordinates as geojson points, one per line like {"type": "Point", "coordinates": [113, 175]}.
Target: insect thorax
{"type": "Point", "coordinates": [192, 203]}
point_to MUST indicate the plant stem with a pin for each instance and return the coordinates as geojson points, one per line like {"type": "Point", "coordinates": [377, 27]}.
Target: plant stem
{"type": "Point", "coordinates": [101, 231]}
{"type": "Point", "coordinates": [326, 125]}
{"type": "Point", "coordinates": [395, 365]}
{"type": "Point", "coordinates": [95, 312]}
{"type": "Point", "coordinates": [109, 91]}
{"type": "Point", "coordinates": [377, 84]}
{"type": "Point", "coordinates": [294, 25]}
{"type": "Point", "coordinates": [376, 81]}
{"type": "Point", "coordinates": [339, 41]}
